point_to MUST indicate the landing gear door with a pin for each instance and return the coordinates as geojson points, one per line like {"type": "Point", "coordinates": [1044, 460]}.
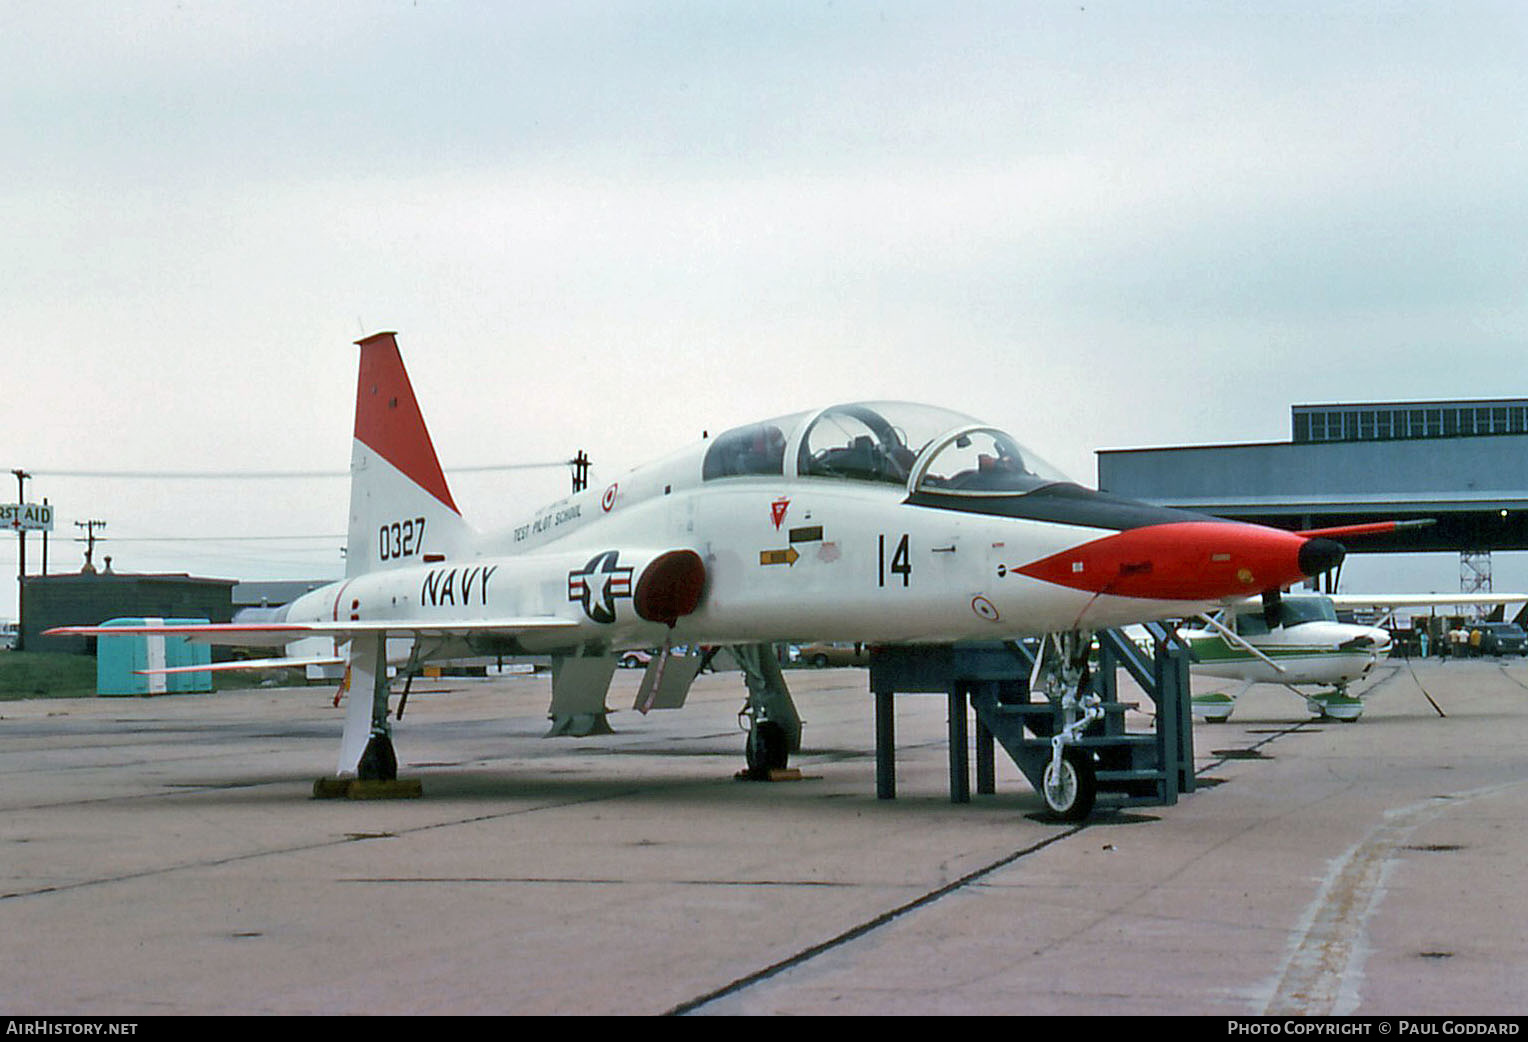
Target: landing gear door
{"type": "Point", "coordinates": [665, 685]}
{"type": "Point", "coordinates": [579, 684]}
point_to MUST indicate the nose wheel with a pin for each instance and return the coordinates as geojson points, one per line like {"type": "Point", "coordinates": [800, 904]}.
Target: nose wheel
{"type": "Point", "coordinates": [1070, 786]}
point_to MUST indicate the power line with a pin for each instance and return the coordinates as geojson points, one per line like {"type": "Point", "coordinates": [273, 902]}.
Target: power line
{"type": "Point", "coordinates": [214, 538]}
{"type": "Point", "coordinates": [266, 475]}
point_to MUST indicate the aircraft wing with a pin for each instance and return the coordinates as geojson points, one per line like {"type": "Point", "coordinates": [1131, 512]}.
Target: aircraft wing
{"type": "Point", "coordinates": [1422, 600]}
{"type": "Point", "coordinates": [279, 634]}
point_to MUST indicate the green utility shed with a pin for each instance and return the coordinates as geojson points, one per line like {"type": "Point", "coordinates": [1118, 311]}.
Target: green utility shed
{"type": "Point", "coordinates": [84, 599]}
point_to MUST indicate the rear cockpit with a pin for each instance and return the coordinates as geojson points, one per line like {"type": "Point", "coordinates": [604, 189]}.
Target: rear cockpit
{"type": "Point", "coordinates": [757, 450]}
{"type": "Point", "coordinates": [902, 444]}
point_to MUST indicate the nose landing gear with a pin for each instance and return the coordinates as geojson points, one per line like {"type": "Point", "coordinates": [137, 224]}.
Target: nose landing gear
{"type": "Point", "coordinates": [1070, 786]}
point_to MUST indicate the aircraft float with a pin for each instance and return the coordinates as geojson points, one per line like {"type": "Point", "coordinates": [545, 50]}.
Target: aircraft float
{"type": "Point", "coordinates": [877, 522]}
{"type": "Point", "coordinates": [1298, 642]}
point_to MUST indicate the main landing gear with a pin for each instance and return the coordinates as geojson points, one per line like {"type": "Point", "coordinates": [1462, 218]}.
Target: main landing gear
{"type": "Point", "coordinates": [1335, 704]}
{"type": "Point", "coordinates": [368, 764]}
{"type": "Point", "coordinates": [379, 762]}
{"type": "Point", "coordinates": [769, 716]}
{"type": "Point", "coordinates": [1216, 706]}
{"type": "Point", "coordinates": [767, 749]}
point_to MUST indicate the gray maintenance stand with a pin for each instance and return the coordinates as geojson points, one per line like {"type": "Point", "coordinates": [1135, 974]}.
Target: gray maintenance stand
{"type": "Point", "coordinates": [1127, 768]}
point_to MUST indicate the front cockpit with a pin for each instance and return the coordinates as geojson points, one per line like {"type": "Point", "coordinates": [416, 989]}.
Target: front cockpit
{"type": "Point", "coordinates": [901, 444]}
{"type": "Point", "coordinates": [983, 461]}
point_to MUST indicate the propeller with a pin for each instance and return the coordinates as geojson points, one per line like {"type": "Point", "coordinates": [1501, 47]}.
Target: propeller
{"type": "Point", "coordinates": [1273, 604]}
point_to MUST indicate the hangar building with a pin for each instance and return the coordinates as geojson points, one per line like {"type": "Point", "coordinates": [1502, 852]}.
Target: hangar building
{"type": "Point", "coordinates": [1462, 463]}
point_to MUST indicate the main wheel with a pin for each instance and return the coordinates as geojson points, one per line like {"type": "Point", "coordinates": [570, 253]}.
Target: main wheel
{"type": "Point", "coordinates": [378, 762]}
{"type": "Point", "coordinates": [1070, 791]}
{"type": "Point", "coordinates": [767, 749]}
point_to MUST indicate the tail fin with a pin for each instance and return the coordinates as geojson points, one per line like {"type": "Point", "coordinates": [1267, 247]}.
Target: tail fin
{"type": "Point", "coordinates": [401, 510]}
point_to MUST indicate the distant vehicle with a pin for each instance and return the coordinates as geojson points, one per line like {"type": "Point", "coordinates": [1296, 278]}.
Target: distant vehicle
{"type": "Point", "coordinates": [1503, 638]}
{"type": "Point", "coordinates": [635, 659]}
{"type": "Point", "coordinates": [10, 636]}
{"type": "Point", "coordinates": [824, 655]}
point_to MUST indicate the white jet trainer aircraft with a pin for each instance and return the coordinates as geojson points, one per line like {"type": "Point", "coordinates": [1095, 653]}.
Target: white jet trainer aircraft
{"type": "Point", "coordinates": [873, 522]}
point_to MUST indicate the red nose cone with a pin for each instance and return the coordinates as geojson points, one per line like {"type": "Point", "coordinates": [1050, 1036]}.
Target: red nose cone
{"type": "Point", "coordinates": [670, 587]}
{"type": "Point", "coordinates": [1180, 561]}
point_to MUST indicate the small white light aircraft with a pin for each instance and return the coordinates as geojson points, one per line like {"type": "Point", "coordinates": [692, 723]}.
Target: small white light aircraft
{"type": "Point", "coordinates": [872, 522]}
{"type": "Point", "coordinates": [1297, 641]}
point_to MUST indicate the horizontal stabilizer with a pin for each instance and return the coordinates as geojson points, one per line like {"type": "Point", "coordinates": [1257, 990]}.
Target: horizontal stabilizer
{"type": "Point", "coordinates": [276, 634]}
{"type": "Point", "coordinates": [247, 663]}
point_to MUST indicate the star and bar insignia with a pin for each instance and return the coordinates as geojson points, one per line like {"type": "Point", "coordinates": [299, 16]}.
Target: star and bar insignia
{"type": "Point", "coordinates": [598, 584]}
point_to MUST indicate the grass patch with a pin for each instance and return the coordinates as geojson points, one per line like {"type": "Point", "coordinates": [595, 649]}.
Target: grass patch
{"type": "Point", "coordinates": [46, 674]}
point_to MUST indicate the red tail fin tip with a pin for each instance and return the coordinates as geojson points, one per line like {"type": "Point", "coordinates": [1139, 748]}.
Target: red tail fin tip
{"type": "Point", "coordinates": [388, 420]}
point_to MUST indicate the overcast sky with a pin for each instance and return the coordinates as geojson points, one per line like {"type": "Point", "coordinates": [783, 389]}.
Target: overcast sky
{"type": "Point", "coordinates": [609, 226]}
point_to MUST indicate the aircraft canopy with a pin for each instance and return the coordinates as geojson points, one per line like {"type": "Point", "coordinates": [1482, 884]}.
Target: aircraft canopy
{"type": "Point", "coordinates": [919, 447]}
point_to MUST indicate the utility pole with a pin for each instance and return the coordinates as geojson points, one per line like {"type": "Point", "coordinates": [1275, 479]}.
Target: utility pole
{"type": "Point", "coordinates": [89, 541]}
{"type": "Point", "coordinates": [21, 567]}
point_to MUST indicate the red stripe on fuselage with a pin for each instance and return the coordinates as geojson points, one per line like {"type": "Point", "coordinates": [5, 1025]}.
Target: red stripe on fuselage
{"type": "Point", "coordinates": [388, 420]}
{"type": "Point", "coordinates": [1184, 560]}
